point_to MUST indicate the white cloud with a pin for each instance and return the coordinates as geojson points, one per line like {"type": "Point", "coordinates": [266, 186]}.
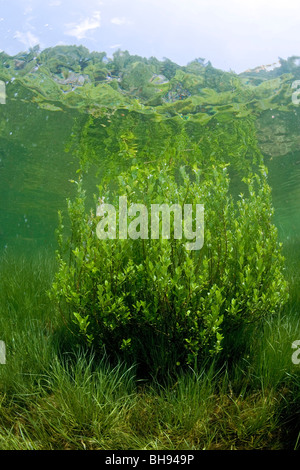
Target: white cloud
{"type": "Point", "coordinates": [55, 3]}
{"type": "Point", "coordinates": [79, 30]}
{"type": "Point", "coordinates": [120, 20]}
{"type": "Point", "coordinates": [114, 46]}
{"type": "Point", "coordinates": [28, 39]}
{"type": "Point", "coordinates": [27, 10]}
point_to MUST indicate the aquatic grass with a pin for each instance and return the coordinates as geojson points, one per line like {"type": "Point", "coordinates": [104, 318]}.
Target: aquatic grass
{"type": "Point", "coordinates": [52, 397]}
{"type": "Point", "coordinates": [27, 318]}
{"type": "Point", "coordinates": [80, 412]}
{"type": "Point", "coordinates": [189, 399]}
{"type": "Point", "coordinates": [88, 396]}
{"type": "Point", "coordinates": [210, 415]}
{"type": "Point", "coordinates": [200, 411]}
{"type": "Point", "coordinates": [81, 403]}
{"type": "Point", "coordinates": [79, 406]}
{"type": "Point", "coordinates": [271, 352]}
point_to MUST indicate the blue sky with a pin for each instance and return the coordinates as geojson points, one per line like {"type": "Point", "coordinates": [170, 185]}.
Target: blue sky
{"type": "Point", "coordinates": [232, 34]}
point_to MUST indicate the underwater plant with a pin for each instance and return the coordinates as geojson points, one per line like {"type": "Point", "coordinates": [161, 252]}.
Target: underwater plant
{"type": "Point", "coordinates": [152, 301]}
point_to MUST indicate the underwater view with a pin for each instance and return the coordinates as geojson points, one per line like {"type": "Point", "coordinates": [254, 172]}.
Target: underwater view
{"type": "Point", "coordinates": [149, 228]}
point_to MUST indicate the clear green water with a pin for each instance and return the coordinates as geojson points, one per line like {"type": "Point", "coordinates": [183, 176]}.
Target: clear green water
{"type": "Point", "coordinates": [35, 169]}
{"type": "Point", "coordinates": [284, 178]}
{"type": "Point", "coordinates": [34, 173]}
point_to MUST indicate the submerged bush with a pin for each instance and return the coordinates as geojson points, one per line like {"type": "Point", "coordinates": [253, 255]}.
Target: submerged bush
{"type": "Point", "coordinates": [153, 300]}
